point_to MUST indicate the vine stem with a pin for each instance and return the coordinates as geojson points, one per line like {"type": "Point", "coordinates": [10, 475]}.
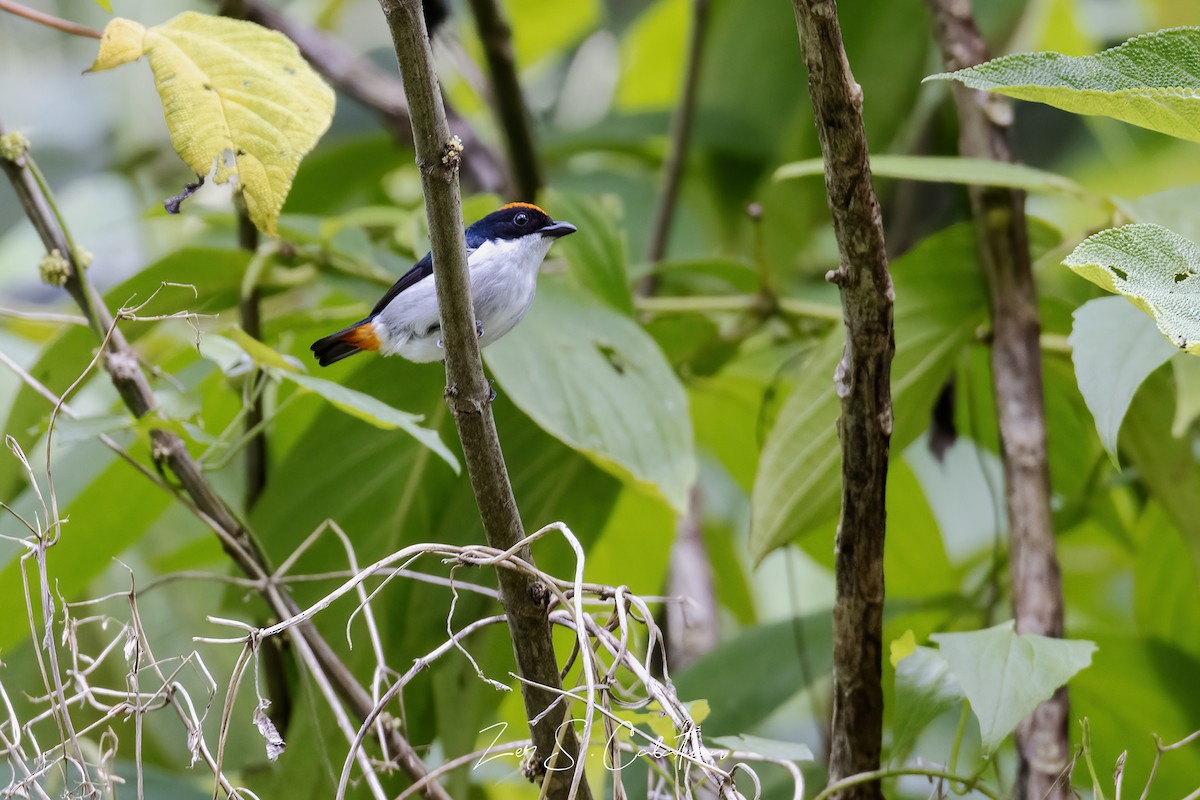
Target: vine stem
{"type": "Point", "coordinates": [879, 774]}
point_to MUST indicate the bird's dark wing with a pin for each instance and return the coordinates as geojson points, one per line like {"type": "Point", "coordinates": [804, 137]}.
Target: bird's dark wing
{"type": "Point", "coordinates": [420, 271]}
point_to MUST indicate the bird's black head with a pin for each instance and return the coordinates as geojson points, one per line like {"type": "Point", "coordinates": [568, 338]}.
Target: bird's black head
{"type": "Point", "coordinates": [515, 221]}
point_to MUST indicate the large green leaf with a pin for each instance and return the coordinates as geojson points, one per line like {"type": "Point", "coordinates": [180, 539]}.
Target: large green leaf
{"type": "Point", "coordinates": [939, 303]}
{"type": "Point", "coordinates": [653, 56]}
{"type": "Point", "coordinates": [1114, 347]}
{"type": "Point", "coordinates": [596, 254]}
{"type": "Point", "coordinates": [1005, 674]}
{"type": "Point", "coordinates": [789, 657]}
{"type": "Point", "coordinates": [1148, 81]}
{"type": "Point", "coordinates": [591, 377]}
{"type": "Point", "coordinates": [1157, 269]}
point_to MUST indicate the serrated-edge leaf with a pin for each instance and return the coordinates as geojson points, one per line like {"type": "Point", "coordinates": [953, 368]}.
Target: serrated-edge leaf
{"type": "Point", "coordinates": [951, 169]}
{"type": "Point", "coordinates": [230, 89]}
{"type": "Point", "coordinates": [1150, 81]}
{"type": "Point", "coordinates": [1154, 267]}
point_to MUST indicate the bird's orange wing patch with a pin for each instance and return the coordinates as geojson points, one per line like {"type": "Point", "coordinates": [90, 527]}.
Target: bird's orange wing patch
{"type": "Point", "coordinates": [362, 336]}
{"type": "Point", "coordinates": [523, 205]}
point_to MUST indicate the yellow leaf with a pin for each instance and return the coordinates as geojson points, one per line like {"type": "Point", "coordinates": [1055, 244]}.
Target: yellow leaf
{"type": "Point", "coordinates": [903, 647]}
{"type": "Point", "coordinates": [240, 101]}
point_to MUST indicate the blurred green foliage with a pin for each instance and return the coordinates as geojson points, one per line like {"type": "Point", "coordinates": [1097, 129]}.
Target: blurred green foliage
{"type": "Point", "coordinates": [608, 409]}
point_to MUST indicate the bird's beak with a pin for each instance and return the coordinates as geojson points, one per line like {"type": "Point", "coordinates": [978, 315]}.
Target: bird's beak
{"type": "Point", "coordinates": [557, 230]}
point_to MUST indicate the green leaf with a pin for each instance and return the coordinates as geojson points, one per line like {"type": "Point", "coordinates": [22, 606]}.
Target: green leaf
{"type": "Point", "coordinates": [745, 691]}
{"type": "Point", "coordinates": [1114, 348]}
{"type": "Point", "coordinates": [594, 379]}
{"type": "Point", "coordinates": [1152, 266]}
{"type": "Point", "coordinates": [1187, 394]}
{"type": "Point", "coordinates": [223, 352]}
{"type": "Point", "coordinates": [653, 54]}
{"type": "Point", "coordinates": [771, 748]}
{"type": "Point", "coordinates": [238, 98]}
{"type": "Point", "coordinates": [940, 302]}
{"type": "Point", "coordinates": [1149, 81]}
{"type": "Point", "coordinates": [925, 687]}
{"type": "Point", "coordinates": [1005, 674]}
{"type": "Point", "coordinates": [379, 414]}
{"type": "Point", "coordinates": [950, 169]}
{"type": "Point", "coordinates": [596, 254]}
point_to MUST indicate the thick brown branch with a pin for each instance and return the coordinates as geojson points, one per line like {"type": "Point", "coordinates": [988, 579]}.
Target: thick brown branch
{"type": "Point", "coordinates": [507, 98]}
{"type": "Point", "coordinates": [1042, 739]}
{"type": "Point", "coordinates": [469, 394]}
{"type": "Point", "coordinates": [169, 450]}
{"type": "Point", "coordinates": [862, 382]}
{"type": "Point", "coordinates": [371, 86]}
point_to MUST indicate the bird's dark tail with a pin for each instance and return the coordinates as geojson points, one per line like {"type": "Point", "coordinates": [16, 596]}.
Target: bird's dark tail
{"type": "Point", "coordinates": [345, 343]}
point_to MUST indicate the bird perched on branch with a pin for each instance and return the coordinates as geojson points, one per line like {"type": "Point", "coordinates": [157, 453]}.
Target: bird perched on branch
{"type": "Point", "coordinates": [504, 251]}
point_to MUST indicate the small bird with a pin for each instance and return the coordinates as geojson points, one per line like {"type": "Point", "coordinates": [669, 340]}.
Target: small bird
{"type": "Point", "coordinates": [504, 251]}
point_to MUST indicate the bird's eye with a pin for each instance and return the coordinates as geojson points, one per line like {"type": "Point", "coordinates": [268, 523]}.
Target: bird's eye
{"type": "Point", "coordinates": [521, 219]}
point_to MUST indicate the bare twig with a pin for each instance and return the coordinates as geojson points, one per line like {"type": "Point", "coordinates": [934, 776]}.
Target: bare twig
{"type": "Point", "coordinates": [681, 132]}
{"type": "Point", "coordinates": [250, 311]}
{"type": "Point", "coordinates": [168, 448]}
{"type": "Point", "coordinates": [50, 21]}
{"type": "Point", "coordinates": [375, 88]}
{"type": "Point", "coordinates": [515, 124]}
{"type": "Point", "coordinates": [467, 392]}
{"type": "Point", "coordinates": [863, 384]}
{"type": "Point", "coordinates": [692, 626]}
{"type": "Point", "coordinates": [1042, 739]}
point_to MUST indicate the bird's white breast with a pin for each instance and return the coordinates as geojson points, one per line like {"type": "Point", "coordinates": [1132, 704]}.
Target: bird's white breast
{"type": "Point", "coordinates": [503, 283]}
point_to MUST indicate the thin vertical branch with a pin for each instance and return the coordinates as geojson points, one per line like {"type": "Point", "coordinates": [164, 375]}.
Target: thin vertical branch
{"type": "Point", "coordinates": [469, 397]}
{"type": "Point", "coordinates": [1042, 739]}
{"type": "Point", "coordinates": [862, 380]}
{"type": "Point", "coordinates": [692, 625]}
{"type": "Point", "coordinates": [681, 134]}
{"type": "Point", "coordinates": [496, 36]}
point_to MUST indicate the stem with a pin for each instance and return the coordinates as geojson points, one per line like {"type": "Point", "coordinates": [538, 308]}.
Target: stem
{"type": "Point", "coordinates": [496, 36]}
{"type": "Point", "coordinates": [1043, 745]}
{"type": "Point", "coordinates": [375, 88]}
{"type": "Point", "coordinates": [876, 775]}
{"type": "Point", "coordinates": [168, 448]}
{"type": "Point", "coordinates": [863, 384]}
{"type": "Point", "coordinates": [958, 736]}
{"type": "Point", "coordinates": [50, 21]}
{"type": "Point", "coordinates": [743, 302]}
{"type": "Point", "coordinates": [250, 310]}
{"type": "Point", "coordinates": [469, 395]}
{"type": "Point", "coordinates": [681, 132]}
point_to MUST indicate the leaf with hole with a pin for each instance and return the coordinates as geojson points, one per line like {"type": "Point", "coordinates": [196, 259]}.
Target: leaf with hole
{"type": "Point", "coordinates": [592, 377]}
{"type": "Point", "coordinates": [1156, 268]}
{"type": "Point", "coordinates": [1146, 81]}
{"type": "Point", "coordinates": [240, 101]}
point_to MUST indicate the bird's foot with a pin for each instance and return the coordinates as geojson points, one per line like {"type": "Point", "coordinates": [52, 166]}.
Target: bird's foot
{"type": "Point", "coordinates": [491, 391]}
{"type": "Point", "coordinates": [479, 329]}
